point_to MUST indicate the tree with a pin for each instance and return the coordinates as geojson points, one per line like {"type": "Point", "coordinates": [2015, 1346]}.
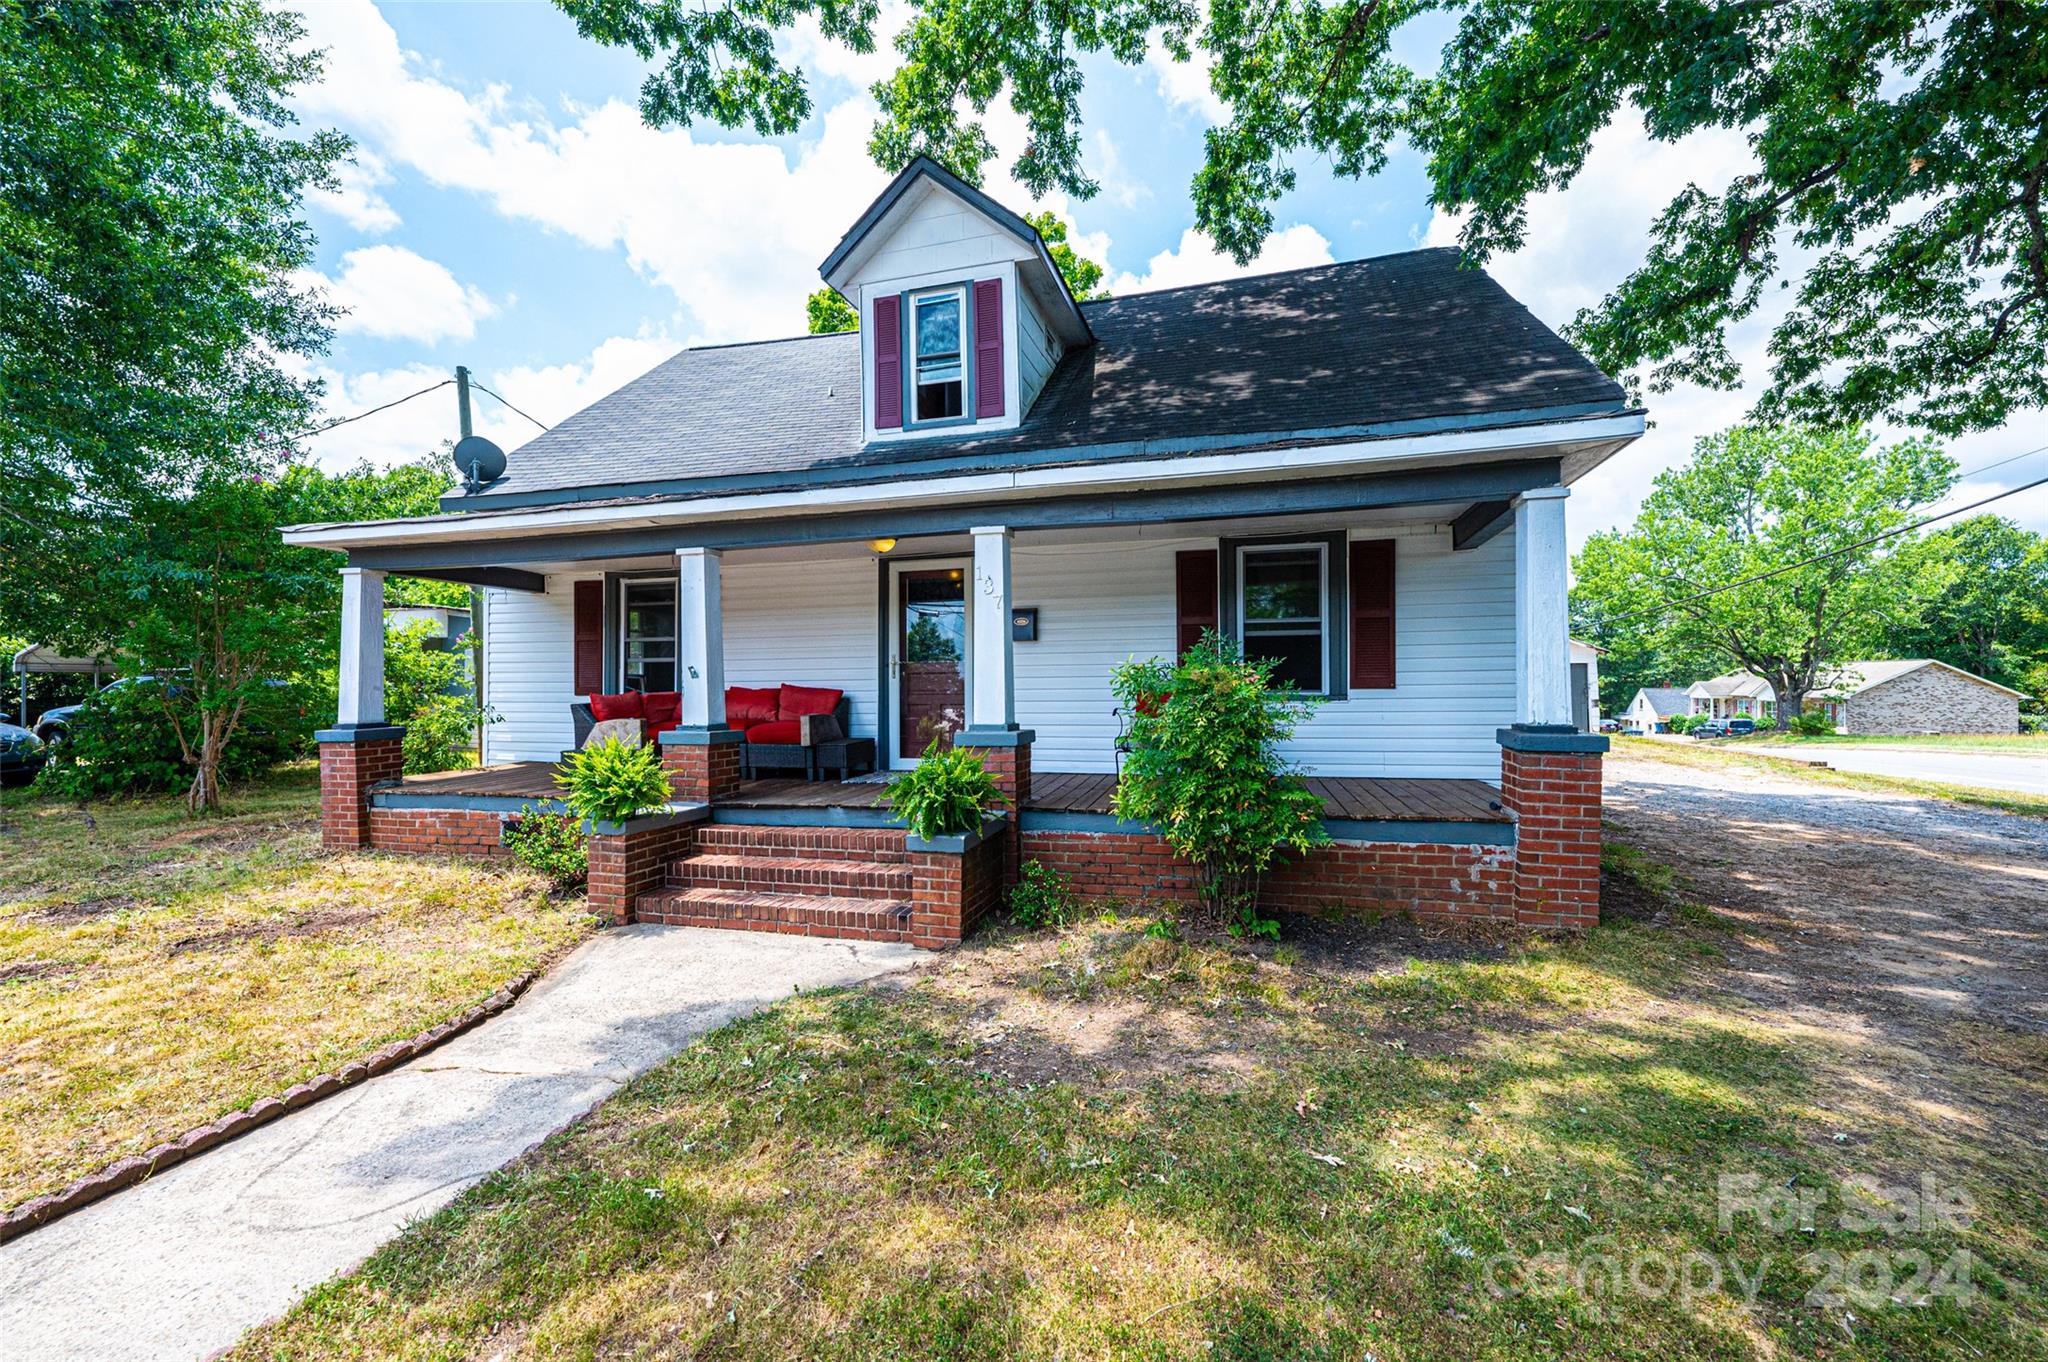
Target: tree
{"type": "Point", "coordinates": [1797, 503]}
{"type": "Point", "coordinates": [828, 312]}
{"type": "Point", "coordinates": [1980, 588]}
{"type": "Point", "coordinates": [149, 234]}
{"type": "Point", "coordinates": [1900, 147]}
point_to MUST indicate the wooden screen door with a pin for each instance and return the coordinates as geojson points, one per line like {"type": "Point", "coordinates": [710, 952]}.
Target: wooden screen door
{"type": "Point", "coordinates": [928, 651]}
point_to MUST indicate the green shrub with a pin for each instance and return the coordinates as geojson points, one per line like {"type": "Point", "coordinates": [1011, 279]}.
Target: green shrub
{"type": "Point", "coordinates": [125, 742]}
{"type": "Point", "coordinates": [945, 794]}
{"type": "Point", "coordinates": [1205, 767]}
{"type": "Point", "coordinates": [1812, 724]}
{"type": "Point", "coordinates": [1685, 723]}
{"type": "Point", "coordinates": [428, 690]}
{"type": "Point", "coordinates": [550, 843]}
{"type": "Point", "coordinates": [1043, 897]}
{"type": "Point", "coordinates": [613, 781]}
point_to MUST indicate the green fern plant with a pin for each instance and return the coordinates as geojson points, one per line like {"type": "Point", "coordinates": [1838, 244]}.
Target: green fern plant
{"type": "Point", "coordinates": [613, 781]}
{"type": "Point", "coordinates": [945, 794]}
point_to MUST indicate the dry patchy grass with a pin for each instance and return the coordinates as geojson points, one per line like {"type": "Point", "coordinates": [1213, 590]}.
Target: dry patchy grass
{"type": "Point", "coordinates": [157, 972]}
{"type": "Point", "coordinates": [1099, 1143]}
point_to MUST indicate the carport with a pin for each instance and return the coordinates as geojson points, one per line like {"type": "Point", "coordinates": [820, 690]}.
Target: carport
{"type": "Point", "coordinates": [37, 660]}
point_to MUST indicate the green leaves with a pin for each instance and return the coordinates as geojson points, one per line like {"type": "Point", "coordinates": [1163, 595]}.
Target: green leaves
{"type": "Point", "coordinates": [825, 312]}
{"type": "Point", "coordinates": [945, 794]}
{"type": "Point", "coordinates": [612, 781]}
{"type": "Point", "coordinates": [1205, 766]}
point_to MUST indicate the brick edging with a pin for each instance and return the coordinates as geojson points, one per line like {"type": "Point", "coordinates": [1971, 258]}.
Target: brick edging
{"type": "Point", "coordinates": [126, 1172]}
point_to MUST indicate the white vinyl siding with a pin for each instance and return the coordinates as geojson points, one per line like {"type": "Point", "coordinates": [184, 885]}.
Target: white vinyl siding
{"type": "Point", "coordinates": [942, 234]}
{"type": "Point", "coordinates": [1037, 353]}
{"type": "Point", "coordinates": [806, 624]}
{"type": "Point", "coordinates": [528, 681]}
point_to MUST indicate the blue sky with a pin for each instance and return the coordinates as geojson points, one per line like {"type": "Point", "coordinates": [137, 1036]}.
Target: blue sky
{"type": "Point", "coordinates": [509, 211]}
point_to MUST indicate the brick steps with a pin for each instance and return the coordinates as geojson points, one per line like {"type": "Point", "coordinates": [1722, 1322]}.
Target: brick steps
{"type": "Point", "coordinates": [791, 874]}
{"type": "Point", "coordinates": [806, 914]}
{"type": "Point", "coordinates": [851, 844]}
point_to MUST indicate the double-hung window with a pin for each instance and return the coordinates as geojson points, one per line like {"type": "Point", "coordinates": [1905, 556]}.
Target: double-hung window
{"type": "Point", "coordinates": [647, 635]}
{"type": "Point", "coordinates": [937, 372]}
{"type": "Point", "coordinates": [1283, 607]}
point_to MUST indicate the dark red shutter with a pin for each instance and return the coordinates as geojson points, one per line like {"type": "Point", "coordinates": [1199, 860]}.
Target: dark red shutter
{"type": "Point", "coordinates": [589, 647]}
{"type": "Point", "coordinates": [988, 348]}
{"type": "Point", "coordinates": [1194, 593]}
{"type": "Point", "coordinates": [1372, 614]}
{"type": "Point", "coordinates": [888, 362]}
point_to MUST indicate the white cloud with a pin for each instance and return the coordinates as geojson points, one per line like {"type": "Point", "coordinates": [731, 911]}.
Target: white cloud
{"type": "Point", "coordinates": [1197, 261]}
{"type": "Point", "coordinates": [355, 199]}
{"type": "Point", "coordinates": [398, 294]}
{"type": "Point", "coordinates": [734, 230]}
{"type": "Point", "coordinates": [1185, 84]}
{"type": "Point", "coordinates": [551, 393]}
{"type": "Point", "coordinates": [1119, 186]}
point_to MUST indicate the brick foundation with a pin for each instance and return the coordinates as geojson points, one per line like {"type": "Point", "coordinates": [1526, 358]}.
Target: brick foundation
{"type": "Point", "coordinates": [351, 764]}
{"type": "Point", "coordinates": [1425, 879]}
{"type": "Point", "coordinates": [1555, 797]}
{"type": "Point", "coordinates": [701, 772]}
{"type": "Point", "coordinates": [951, 891]}
{"type": "Point", "coordinates": [442, 832]}
{"type": "Point", "coordinates": [1009, 761]}
{"type": "Point", "coordinates": [625, 865]}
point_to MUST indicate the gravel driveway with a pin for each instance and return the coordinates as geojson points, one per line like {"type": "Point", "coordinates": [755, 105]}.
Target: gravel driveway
{"type": "Point", "coordinates": [1885, 914]}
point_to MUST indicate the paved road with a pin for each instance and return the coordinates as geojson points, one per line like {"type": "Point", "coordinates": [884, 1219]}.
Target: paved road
{"type": "Point", "coordinates": [1988, 770]}
{"type": "Point", "coordinates": [179, 1266]}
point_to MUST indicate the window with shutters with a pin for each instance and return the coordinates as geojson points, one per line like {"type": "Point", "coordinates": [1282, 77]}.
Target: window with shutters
{"type": "Point", "coordinates": [1283, 610]}
{"type": "Point", "coordinates": [938, 368]}
{"type": "Point", "coordinates": [647, 635]}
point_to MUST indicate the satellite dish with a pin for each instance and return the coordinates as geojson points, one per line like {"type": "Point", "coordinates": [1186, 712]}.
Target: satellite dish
{"type": "Point", "coordinates": [478, 460]}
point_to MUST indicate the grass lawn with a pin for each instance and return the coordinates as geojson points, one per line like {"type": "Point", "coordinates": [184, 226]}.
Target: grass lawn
{"type": "Point", "coordinates": [1106, 1144]}
{"type": "Point", "coordinates": [157, 972]}
{"type": "Point", "coordinates": [1719, 754]}
{"type": "Point", "coordinates": [1964, 742]}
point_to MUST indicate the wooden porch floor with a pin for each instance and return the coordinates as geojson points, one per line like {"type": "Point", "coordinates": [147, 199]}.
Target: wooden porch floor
{"type": "Point", "coordinates": [1355, 797]}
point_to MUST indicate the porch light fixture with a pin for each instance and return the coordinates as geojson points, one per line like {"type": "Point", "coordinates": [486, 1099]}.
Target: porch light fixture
{"type": "Point", "coordinates": [881, 545]}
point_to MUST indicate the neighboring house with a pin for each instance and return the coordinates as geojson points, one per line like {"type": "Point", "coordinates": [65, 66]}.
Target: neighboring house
{"type": "Point", "coordinates": [1586, 685]}
{"type": "Point", "coordinates": [1654, 707]}
{"type": "Point", "coordinates": [1733, 695]}
{"type": "Point", "coordinates": [1916, 695]}
{"type": "Point", "coordinates": [447, 626]}
{"type": "Point", "coordinates": [961, 517]}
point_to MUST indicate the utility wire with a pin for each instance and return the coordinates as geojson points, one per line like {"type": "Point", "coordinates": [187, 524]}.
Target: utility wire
{"type": "Point", "coordinates": [2015, 458]}
{"type": "Point", "coordinates": [345, 420]}
{"type": "Point", "coordinates": [488, 393]}
{"type": "Point", "coordinates": [1821, 558]}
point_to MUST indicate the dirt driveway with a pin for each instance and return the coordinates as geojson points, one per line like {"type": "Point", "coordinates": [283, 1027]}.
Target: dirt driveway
{"type": "Point", "coordinates": [1880, 914]}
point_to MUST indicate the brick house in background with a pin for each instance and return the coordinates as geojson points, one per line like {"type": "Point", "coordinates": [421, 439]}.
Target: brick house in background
{"type": "Point", "coordinates": [801, 558]}
{"type": "Point", "coordinates": [1916, 695]}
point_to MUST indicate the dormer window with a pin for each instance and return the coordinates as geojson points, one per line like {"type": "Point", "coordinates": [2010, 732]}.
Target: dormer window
{"type": "Point", "coordinates": [937, 370]}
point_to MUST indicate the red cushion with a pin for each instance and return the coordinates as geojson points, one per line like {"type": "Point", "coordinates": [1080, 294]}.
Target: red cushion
{"type": "Point", "coordinates": [745, 707]}
{"type": "Point", "coordinates": [664, 709]}
{"type": "Point", "coordinates": [776, 730]}
{"type": "Point", "coordinates": [800, 700]}
{"type": "Point", "coordinates": [631, 705]}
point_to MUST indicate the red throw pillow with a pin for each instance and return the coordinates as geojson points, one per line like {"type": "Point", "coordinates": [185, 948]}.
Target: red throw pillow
{"type": "Point", "coordinates": [798, 701]}
{"type": "Point", "coordinates": [664, 711]}
{"type": "Point", "coordinates": [779, 730]}
{"type": "Point", "coordinates": [745, 706]}
{"type": "Point", "coordinates": [631, 705]}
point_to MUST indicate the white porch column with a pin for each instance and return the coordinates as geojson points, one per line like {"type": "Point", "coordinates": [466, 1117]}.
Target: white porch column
{"type": "Point", "coordinates": [1543, 672]}
{"type": "Point", "coordinates": [993, 704]}
{"type": "Point", "coordinates": [700, 638]}
{"type": "Point", "coordinates": [361, 689]}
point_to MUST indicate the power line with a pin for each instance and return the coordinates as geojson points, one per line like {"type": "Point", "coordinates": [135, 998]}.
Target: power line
{"type": "Point", "coordinates": [488, 393]}
{"type": "Point", "coordinates": [1822, 558]}
{"type": "Point", "coordinates": [345, 420]}
{"type": "Point", "coordinates": [2015, 458]}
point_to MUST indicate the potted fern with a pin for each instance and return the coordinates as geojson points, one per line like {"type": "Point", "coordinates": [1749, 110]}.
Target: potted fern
{"type": "Point", "coordinates": [947, 800]}
{"type": "Point", "coordinates": [611, 783]}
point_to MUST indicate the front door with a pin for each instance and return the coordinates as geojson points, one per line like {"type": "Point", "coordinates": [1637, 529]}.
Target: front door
{"type": "Point", "coordinates": [928, 650]}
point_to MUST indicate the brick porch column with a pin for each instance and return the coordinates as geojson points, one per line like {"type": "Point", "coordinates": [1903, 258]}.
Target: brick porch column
{"type": "Point", "coordinates": [1550, 782]}
{"type": "Point", "coordinates": [703, 764]}
{"type": "Point", "coordinates": [352, 761]}
{"type": "Point", "coordinates": [1007, 755]}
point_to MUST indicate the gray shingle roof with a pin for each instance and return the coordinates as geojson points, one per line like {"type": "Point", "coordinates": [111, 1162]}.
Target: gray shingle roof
{"type": "Point", "coordinates": [1318, 353]}
{"type": "Point", "coordinates": [1667, 700]}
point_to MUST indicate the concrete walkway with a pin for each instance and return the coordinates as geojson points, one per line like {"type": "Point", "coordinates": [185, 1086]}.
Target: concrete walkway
{"type": "Point", "coordinates": [181, 1265]}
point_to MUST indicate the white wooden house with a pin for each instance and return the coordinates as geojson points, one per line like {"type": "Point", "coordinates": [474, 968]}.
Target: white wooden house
{"type": "Point", "coordinates": [962, 516]}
